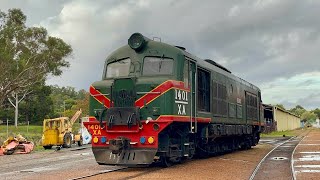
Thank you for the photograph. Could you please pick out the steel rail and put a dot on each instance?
(98, 173)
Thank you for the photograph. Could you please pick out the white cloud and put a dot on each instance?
(273, 44)
(294, 90)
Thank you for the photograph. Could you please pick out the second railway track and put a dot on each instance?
(277, 164)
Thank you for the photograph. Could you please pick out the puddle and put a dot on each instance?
(82, 154)
(310, 158)
(78, 149)
(279, 158)
(287, 146)
(40, 169)
(308, 166)
(315, 152)
(308, 171)
(309, 144)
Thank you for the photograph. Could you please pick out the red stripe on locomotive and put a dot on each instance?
(158, 91)
(99, 97)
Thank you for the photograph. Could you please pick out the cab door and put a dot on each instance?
(190, 78)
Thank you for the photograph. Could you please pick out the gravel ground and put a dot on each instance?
(236, 165)
(66, 164)
(63, 164)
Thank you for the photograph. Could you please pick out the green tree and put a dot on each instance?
(82, 104)
(281, 106)
(298, 110)
(317, 112)
(38, 105)
(67, 101)
(6, 112)
(27, 54)
(309, 116)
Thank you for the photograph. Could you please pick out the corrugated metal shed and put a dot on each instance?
(286, 120)
(283, 119)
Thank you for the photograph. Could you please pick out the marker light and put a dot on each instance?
(103, 139)
(142, 140)
(150, 140)
(156, 127)
(95, 140)
(136, 41)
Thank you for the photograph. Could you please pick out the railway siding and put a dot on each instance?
(277, 163)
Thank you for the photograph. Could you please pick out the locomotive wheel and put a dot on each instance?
(165, 161)
(202, 153)
(246, 145)
(67, 139)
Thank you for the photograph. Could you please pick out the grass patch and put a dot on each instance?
(283, 133)
(31, 133)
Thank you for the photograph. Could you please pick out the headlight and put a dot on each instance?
(136, 41)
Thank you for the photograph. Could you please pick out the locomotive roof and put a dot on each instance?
(164, 47)
(218, 68)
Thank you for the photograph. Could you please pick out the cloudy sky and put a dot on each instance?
(275, 44)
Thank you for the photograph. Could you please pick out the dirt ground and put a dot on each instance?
(236, 165)
(68, 164)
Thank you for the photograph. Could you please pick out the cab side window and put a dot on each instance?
(252, 106)
(203, 90)
(220, 104)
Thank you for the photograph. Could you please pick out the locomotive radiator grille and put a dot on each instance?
(124, 93)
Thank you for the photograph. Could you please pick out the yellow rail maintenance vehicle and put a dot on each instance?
(58, 132)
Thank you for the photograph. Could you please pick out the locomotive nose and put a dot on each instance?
(123, 110)
(124, 92)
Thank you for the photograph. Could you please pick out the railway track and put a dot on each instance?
(138, 172)
(98, 173)
(277, 163)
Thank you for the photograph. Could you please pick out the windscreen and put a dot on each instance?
(118, 68)
(157, 66)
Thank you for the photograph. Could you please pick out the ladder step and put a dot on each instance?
(186, 144)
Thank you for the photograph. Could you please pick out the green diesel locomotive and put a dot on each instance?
(158, 103)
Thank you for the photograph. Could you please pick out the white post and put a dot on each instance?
(7, 128)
